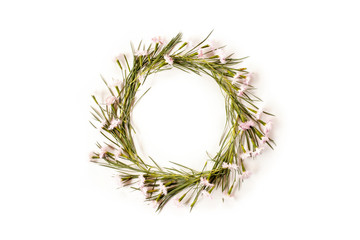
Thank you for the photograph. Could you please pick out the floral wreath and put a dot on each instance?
(245, 135)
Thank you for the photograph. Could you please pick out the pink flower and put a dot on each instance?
(178, 203)
(154, 204)
(258, 113)
(221, 55)
(114, 123)
(245, 155)
(206, 194)
(110, 100)
(248, 78)
(141, 180)
(264, 139)
(245, 175)
(257, 151)
(91, 157)
(141, 53)
(212, 45)
(157, 40)
(102, 125)
(201, 53)
(118, 154)
(236, 78)
(168, 59)
(117, 58)
(268, 127)
(162, 188)
(246, 125)
(103, 151)
(241, 90)
(232, 166)
(144, 190)
(205, 182)
(141, 77)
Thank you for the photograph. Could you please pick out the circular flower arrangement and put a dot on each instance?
(245, 136)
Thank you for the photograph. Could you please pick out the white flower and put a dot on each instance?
(110, 100)
(141, 180)
(205, 182)
(257, 151)
(201, 53)
(268, 127)
(264, 139)
(103, 151)
(245, 155)
(141, 53)
(157, 40)
(258, 113)
(245, 175)
(206, 194)
(168, 59)
(118, 154)
(162, 188)
(232, 166)
(114, 123)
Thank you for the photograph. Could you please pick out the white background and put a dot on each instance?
(305, 56)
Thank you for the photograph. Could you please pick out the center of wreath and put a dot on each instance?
(180, 119)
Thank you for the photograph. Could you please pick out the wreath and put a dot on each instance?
(245, 133)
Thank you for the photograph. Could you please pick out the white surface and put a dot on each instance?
(305, 56)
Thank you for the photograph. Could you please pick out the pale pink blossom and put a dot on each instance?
(245, 175)
(177, 202)
(118, 154)
(115, 82)
(102, 125)
(103, 151)
(205, 182)
(245, 155)
(157, 40)
(248, 78)
(206, 194)
(246, 125)
(201, 53)
(110, 100)
(257, 151)
(91, 157)
(117, 58)
(268, 127)
(236, 78)
(141, 180)
(141, 53)
(114, 123)
(221, 55)
(168, 59)
(212, 45)
(226, 195)
(162, 188)
(258, 113)
(154, 204)
(241, 91)
(144, 189)
(232, 166)
(141, 77)
(264, 139)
